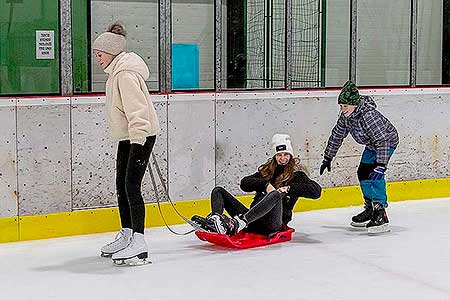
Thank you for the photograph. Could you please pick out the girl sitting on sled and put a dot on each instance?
(278, 184)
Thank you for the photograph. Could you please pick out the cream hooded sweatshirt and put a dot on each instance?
(130, 111)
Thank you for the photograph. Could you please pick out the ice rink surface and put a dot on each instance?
(325, 260)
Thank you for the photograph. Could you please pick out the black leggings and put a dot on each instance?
(265, 217)
(132, 160)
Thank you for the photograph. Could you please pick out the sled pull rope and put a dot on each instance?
(166, 193)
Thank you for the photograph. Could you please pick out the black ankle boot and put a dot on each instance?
(379, 222)
(363, 217)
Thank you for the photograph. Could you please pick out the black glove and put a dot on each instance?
(326, 164)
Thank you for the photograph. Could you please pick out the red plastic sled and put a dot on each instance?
(245, 240)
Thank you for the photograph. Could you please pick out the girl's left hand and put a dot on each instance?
(283, 189)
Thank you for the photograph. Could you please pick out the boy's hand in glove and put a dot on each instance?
(377, 173)
(326, 164)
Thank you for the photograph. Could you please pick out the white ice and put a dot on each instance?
(325, 260)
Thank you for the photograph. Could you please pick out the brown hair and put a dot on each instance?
(117, 28)
(268, 169)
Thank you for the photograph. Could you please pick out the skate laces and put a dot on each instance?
(220, 223)
(121, 235)
(228, 226)
(132, 242)
(241, 222)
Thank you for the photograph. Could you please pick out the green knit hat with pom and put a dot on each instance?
(349, 94)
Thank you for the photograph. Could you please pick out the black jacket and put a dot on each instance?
(300, 186)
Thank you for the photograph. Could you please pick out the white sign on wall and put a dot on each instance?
(45, 44)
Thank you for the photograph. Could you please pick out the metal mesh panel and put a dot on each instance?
(266, 43)
(305, 43)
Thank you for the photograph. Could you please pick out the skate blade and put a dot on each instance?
(103, 254)
(197, 226)
(377, 230)
(359, 225)
(131, 262)
(139, 260)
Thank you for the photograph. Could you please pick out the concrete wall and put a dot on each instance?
(56, 156)
(8, 159)
(43, 155)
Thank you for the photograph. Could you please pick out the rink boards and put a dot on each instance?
(57, 162)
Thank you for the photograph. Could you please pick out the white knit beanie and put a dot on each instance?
(282, 143)
(109, 42)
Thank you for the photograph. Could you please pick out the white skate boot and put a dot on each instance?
(136, 253)
(122, 240)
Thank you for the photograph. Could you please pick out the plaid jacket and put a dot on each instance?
(368, 127)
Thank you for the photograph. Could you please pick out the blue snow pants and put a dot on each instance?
(373, 190)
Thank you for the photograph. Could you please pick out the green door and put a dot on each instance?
(29, 47)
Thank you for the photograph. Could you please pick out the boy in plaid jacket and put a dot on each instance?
(368, 127)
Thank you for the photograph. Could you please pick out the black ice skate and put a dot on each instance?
(379, 222)
(226, 225)
(205, 224)
(361, 219)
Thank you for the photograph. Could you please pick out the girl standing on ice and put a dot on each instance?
(368, 127)
(133, 122)
(278, 184)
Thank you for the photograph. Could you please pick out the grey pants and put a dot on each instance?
(264, 217)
